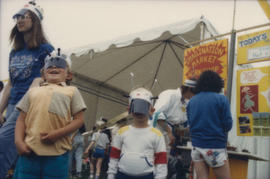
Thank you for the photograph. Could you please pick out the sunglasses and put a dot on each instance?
(22, 17)
(55, 62)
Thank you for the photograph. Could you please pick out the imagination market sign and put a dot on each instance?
(210, 56)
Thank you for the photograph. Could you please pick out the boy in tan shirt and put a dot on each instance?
(44, 124)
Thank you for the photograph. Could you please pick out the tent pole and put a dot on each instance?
(231, 65)
(228, 33)
(178, 58)
(138, 59)
(99, 83)
(159, 63)
(256, 153)
(202, 26)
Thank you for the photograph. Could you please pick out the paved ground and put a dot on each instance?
(85, 173)
(86, 176)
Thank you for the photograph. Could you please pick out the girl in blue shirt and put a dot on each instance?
(29, 48)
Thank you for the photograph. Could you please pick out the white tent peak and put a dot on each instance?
(177, 28)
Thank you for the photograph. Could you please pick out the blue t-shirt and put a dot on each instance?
(209, 119)
(24, 67)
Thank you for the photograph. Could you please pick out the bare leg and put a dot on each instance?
(92, 167)
(201, 169)
(223, 172)
(98, 165)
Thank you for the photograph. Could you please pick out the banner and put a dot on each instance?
(265, 5)
(253, 102)
(209, 56)
(253, 47)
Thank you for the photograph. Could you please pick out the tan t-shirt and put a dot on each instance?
(49, 107)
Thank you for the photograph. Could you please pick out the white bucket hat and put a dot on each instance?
(33, 7)
(190, 83)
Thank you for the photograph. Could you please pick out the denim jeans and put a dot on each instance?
(8, 152)
(77, 152)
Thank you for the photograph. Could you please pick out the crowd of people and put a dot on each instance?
(142, 148)
(43, 125)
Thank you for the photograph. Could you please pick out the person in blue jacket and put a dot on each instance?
(29, 49)
(210, 120)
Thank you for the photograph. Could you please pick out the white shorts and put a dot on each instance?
(213, 157)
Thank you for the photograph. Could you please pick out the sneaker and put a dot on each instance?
(91, 176)
(78, 175)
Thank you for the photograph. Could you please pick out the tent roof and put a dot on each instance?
(153, 59)
(177, 28)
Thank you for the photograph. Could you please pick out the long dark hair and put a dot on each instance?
(209, 81)
(37, 36)
(108, 133)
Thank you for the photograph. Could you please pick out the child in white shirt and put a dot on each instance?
(138, 151)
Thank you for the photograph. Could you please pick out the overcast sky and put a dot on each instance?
(74, 23)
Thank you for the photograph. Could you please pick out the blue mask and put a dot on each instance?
(139, 106)
(58, 62)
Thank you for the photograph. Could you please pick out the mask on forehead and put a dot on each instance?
(139, 106)
(140, 101)
(58, 62)
(57, 59)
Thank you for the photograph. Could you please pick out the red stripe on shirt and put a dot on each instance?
(115, 153)
(161, 158)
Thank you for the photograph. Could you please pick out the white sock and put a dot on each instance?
(91, 176)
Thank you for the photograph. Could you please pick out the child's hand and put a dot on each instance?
(172, 139)
(23, 148)
(49, 138)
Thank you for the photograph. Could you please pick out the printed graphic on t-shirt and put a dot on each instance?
(21, 66)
